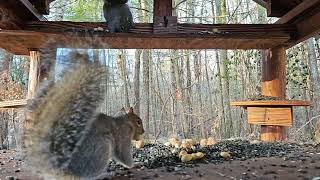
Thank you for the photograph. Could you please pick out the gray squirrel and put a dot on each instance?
(118, 15)
(67, 138)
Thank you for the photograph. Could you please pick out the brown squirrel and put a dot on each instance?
(68, 138)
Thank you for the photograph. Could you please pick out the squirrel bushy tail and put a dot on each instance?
(61, 116)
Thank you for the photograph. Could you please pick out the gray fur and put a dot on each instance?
(118, 16)
(68, 138)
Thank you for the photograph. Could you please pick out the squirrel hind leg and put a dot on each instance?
(112, 27)
(123, 152)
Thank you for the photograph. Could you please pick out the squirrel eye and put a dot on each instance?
(139, 123)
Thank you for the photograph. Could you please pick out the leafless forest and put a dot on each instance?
(178, 92)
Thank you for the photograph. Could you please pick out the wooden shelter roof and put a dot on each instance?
(25, 28)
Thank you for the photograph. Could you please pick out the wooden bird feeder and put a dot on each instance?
(273, 116)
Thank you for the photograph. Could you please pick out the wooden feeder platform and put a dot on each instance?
(271, 103)
(272, 115)
(13, 104)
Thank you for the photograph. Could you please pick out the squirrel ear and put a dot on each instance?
(123, 109)
(131, 110)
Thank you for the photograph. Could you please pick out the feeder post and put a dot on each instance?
(34, 73)
(38, 71)
(274, 84)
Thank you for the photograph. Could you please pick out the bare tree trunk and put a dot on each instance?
(103, 107)
(137, 82)
(153, 104)
(123, 71)
(222, 115)
(221, 12)
(314, 77)
(197, 72)
(189, 95)
(107, 81)
(179, 93)
(209, 93)
(174, 101)
(146, 84)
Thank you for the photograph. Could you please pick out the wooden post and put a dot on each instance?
(34, 73)
(163, 21)
(37, 72)
(273, 133)
(162, 8)
(274, 84)
(33, 82)
(274, 72)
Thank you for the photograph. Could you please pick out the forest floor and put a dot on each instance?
(248, 161)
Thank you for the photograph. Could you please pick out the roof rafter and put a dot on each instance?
(305, 17)
(261, 3)
(14, 18)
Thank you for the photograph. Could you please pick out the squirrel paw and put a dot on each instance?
(106, 175)
(137, 164)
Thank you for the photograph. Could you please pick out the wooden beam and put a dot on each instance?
(33, 10)
(274, 72)
(261, 3)
(278, 8)
(13, 14)
(8, 19)
(33, 74)
(299, 10)
(38, 35)
(275, 9)
(308, 25)
(42, 5)
(13, 103)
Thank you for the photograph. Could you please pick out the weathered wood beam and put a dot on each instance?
(278, 8)
(13, 103)
(275, 9)
(39, 35)
(33, 10)
(8, 19)
(261, 3)
(42, 5)
(296, 12)
(146, 28)
(13, 14)
(307, 23)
